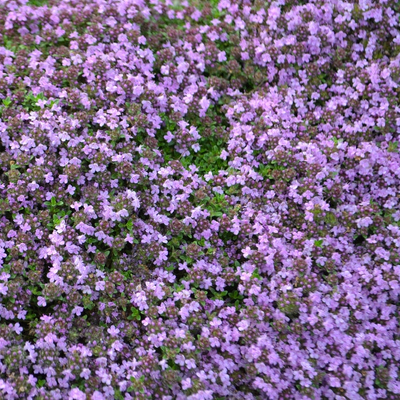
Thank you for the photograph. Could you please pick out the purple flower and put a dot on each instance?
(76, 394)
(113, 331)
(41, 301)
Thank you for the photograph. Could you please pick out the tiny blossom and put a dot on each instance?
(41, 301)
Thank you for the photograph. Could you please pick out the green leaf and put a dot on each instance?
(135, 314)
(30, 316)
(40, 383)
(218, 295)
(135, 311)
(52, 102)
(393, 147)
(36, 291)
(7, 101)
(256, 274)
(330, 218)
(379, 384)
(235, 295)
(118, 395)
(89, 305)
(318, 243)
(178, 288)
(141, 379)
(37, 3)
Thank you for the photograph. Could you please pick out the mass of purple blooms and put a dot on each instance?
(199, 199)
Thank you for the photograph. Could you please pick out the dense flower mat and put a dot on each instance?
(199, 201)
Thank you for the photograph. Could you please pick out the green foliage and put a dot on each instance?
(37, 3)
(31, 100)
(235, 295)
(218, 295)
(137, 384)
(217, 206)
(40, 383)
(7, 101)
(266, 170)
(87, 303)
(57, 210)
(256, 274)
(330, 219)
(118, 395)
(135, 314)
(10, 45)
(393, 147)
(206, 159)
(129, 225)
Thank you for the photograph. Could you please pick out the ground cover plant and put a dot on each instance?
(199, 200)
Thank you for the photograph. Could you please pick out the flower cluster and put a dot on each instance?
(199, 200)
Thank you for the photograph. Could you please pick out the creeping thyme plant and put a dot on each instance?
(199, 200)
